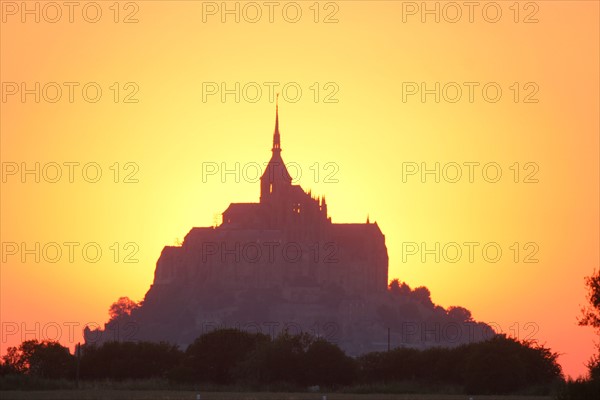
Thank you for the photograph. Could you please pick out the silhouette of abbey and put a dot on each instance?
(287, 238)
(282, 265)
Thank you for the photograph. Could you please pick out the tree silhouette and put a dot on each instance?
(46, 359)
(591, 313)
(214, 356)
(282, 360)
(423, 295)
(591, 317)
(121, 307)
(460, 314)
(327, 365)
(12, 362)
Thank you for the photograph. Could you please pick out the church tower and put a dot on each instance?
(275, 181)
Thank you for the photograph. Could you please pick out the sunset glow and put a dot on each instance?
(184, 122)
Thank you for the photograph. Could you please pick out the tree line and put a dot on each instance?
(254, 360)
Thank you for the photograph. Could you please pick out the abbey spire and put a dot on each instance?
(276, 136)
(276, 179)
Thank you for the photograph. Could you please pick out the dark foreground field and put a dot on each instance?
(189, 395)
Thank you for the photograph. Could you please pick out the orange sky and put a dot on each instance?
(360, 120)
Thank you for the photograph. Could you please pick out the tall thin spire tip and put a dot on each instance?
(276, 137)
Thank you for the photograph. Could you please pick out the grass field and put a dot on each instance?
(189, 395)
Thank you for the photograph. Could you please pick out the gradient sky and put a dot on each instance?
(364, 130)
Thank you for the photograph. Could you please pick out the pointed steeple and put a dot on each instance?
(275, 179)
(276, 136)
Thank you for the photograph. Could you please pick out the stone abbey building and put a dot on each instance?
(282, 265)
(286, 239)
